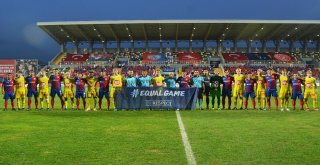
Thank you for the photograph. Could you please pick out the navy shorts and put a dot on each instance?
(271, 92)
(32, 92)
(104, 93)
(297, 94)
(55, 92)
(247, 94)
(80, 94)
(226, 93)
(8, 96)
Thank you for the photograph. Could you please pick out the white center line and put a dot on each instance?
(186, 143)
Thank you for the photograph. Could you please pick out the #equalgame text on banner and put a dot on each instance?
(156, 98)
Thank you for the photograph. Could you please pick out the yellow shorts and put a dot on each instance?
(91, 93)
(68, 93)
(310, 93)
(43, 93)
(20, 94)
(261, 93)
(113, 91)
(237, 92)
(284, 93)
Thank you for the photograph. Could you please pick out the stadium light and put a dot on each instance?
(262, 28)
(318, 35)
(296, 28)
(94, 29)
(288, 35)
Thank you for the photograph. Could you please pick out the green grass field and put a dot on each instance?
(153, 137)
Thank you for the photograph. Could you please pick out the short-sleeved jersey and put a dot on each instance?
(20, 83)
(197, 81)
(93, 81)
(171, 82)
(238, 81)
(216, 81)
(183, 81)
(8, 86)
(144, 81)
(32, 83)
(249, 85)
(43, 83)
(284, 82)
(67, 83)
(296, 85)
(261, 83)
(206, 81)
(55, 81)
(271, 81)
(80, 84)
(310, 83)
(131, 81)
(227, 83)
(104, 82)
(158, 81)
(116, 81)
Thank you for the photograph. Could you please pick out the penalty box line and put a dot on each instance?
(187, 147)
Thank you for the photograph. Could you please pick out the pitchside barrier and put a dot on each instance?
(156, 98)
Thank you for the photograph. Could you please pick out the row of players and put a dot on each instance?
(238, 86)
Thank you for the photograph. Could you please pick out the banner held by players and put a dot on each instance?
(156, 98)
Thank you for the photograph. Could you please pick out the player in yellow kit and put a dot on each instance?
(284, 92)
(20, 92)
(68, 90)
(157, 80)
(43, 83)
(238, 88)
(310, 90)
(261, 90)
(115, 84)
(92, 91)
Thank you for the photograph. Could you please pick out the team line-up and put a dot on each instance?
(261, 86)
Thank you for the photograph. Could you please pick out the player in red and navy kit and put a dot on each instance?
(296, 91)
(55, 80)
(249, 84)
(104, 89)
(31, 80)
(271, 87)
(80, 82)
(8, 91)
(183, 80)
(227, 89)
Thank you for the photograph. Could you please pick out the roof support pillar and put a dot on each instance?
(205, 45)
(90, 47)
(104, 46)
(264, 46)
(291, 45)
(63, 47)
(277, 43)
(305, 46)
(132, 46)
(147, 45)
(249, 46)
(235, 45)
(176, 45)
(76, 47)
(219, 47)
(161, 46)
(318, 46)
(190, 45)
(118, 45)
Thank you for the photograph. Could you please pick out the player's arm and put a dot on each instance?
(2, 87)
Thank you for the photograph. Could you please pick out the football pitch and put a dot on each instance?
(154, 137)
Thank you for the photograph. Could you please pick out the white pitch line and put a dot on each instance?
(186, 143)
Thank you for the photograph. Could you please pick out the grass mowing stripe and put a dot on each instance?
(186, 144)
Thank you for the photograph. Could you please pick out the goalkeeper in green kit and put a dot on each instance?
(215, 89)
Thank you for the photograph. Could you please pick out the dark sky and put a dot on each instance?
(21, 38)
